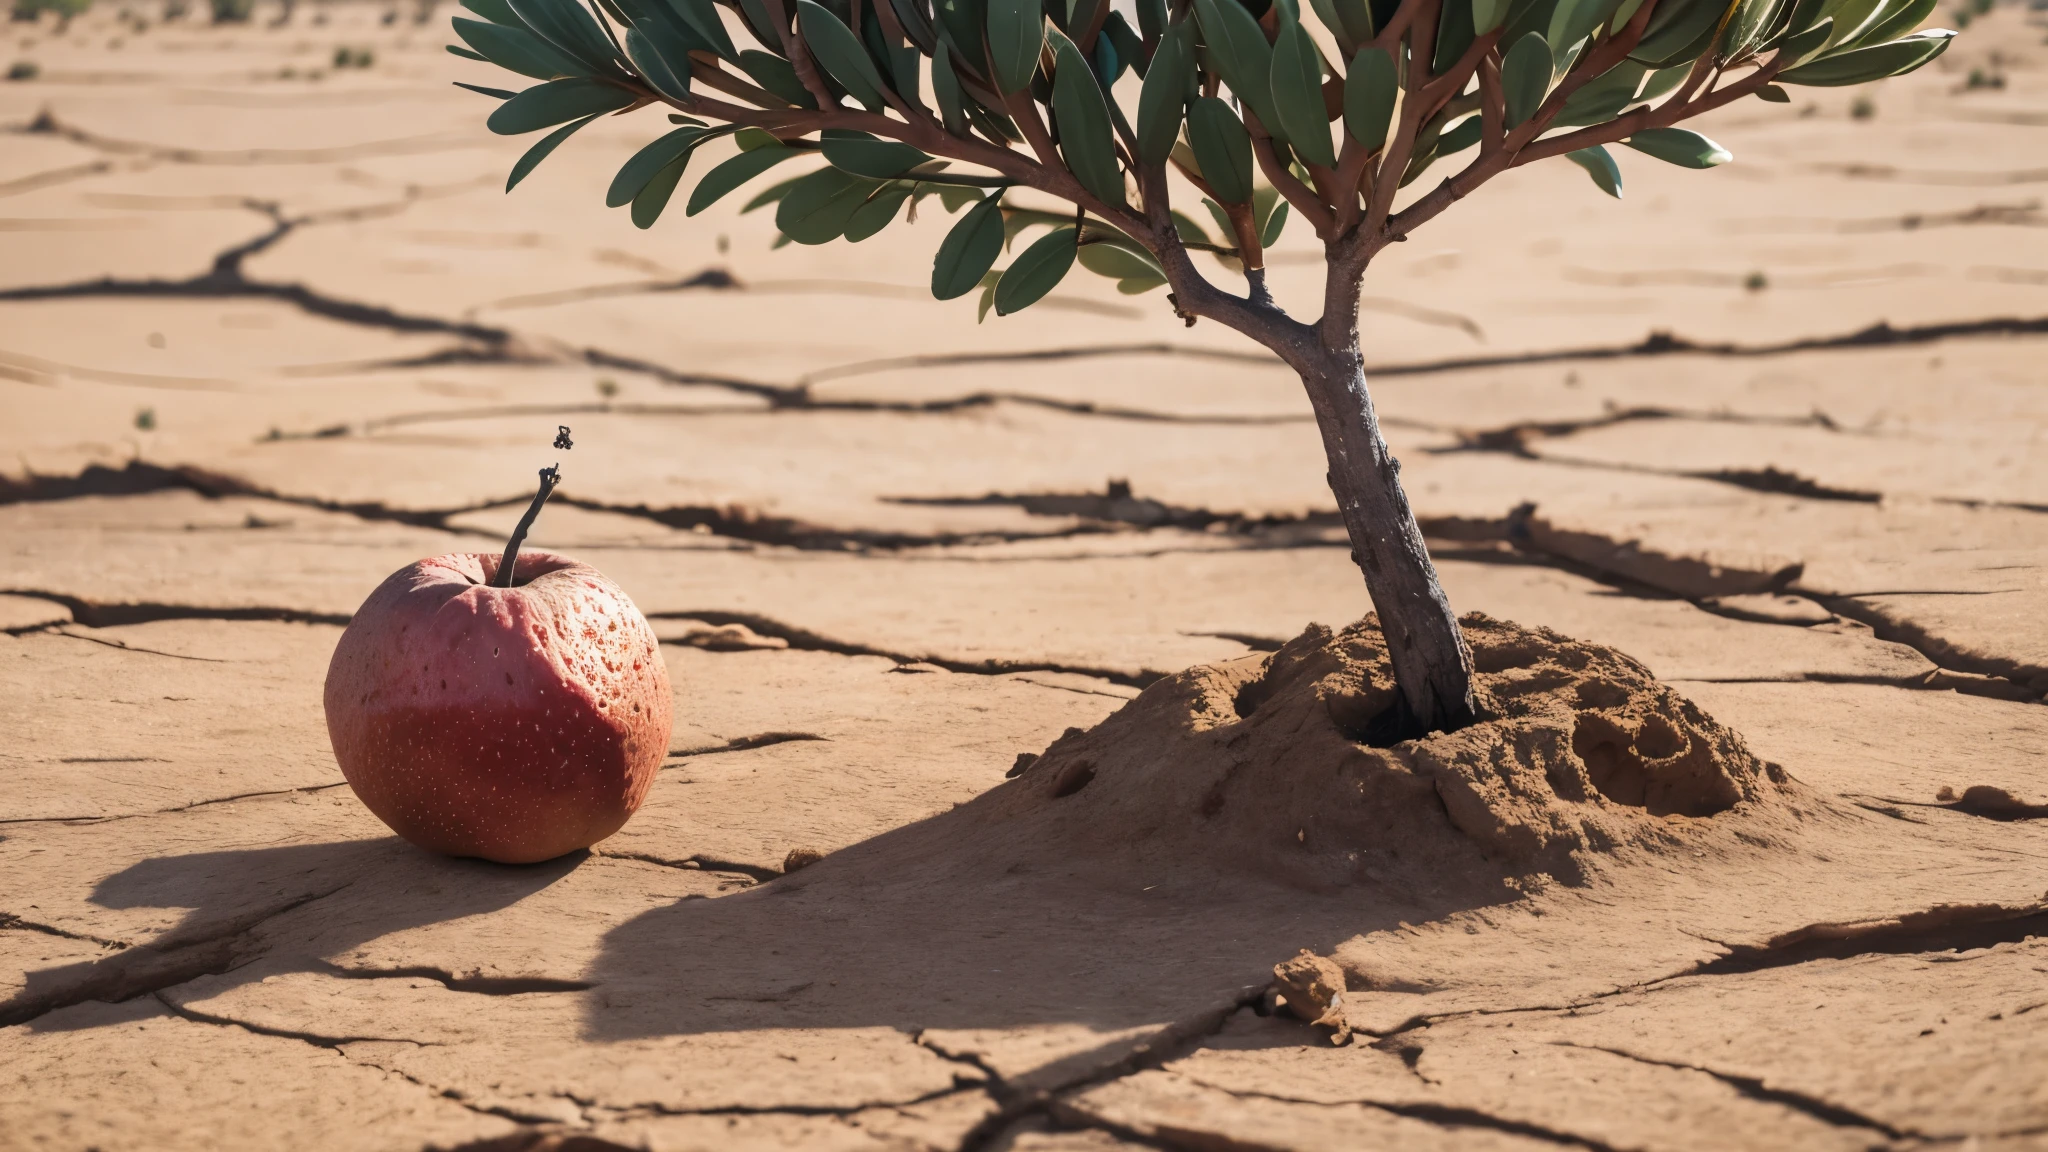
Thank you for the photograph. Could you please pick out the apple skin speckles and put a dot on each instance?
(499, 722)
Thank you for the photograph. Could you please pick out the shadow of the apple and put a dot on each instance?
(229, 893)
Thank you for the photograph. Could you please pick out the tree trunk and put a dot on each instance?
(1432, 665)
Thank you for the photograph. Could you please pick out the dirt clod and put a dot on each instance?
(1312, 988)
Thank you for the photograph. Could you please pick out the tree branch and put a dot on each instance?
(1394, 158)
(1492, 108)
(1303, 198)
(1646, 117)
(799, 56)
(1292, 340)
(704, 68)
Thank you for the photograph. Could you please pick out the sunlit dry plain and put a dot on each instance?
(270, 329)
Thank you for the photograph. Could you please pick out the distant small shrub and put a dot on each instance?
(346, 57)
(232, 11)
(23, 70)
(145, 419)
(29, 11)
(1756, 282)
(1863, 108)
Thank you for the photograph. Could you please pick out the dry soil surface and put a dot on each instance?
(1761, 441)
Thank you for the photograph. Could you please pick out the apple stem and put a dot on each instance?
(549, 477)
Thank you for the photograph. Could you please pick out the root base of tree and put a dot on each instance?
(1268, 764)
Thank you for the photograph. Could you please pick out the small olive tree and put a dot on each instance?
(1242, 104)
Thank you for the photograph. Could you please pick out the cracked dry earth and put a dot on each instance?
(1794, 893)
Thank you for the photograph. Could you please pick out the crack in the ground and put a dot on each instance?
(1016, 1102)
(803, 639)
(1938, 929)
(719, 279)
(1770, 478)
(1754, 1088)
(58, 629)
(1943, 928)
(485, 344)
(731, 522)
(140, 477)
(2024, 214)
(942, 406)
(11, 922)
(54, 176)
(143, 969)
(1115, 509)
(742, 744)
(1879, 335)
(226, 278)
(212, 800)
(1515, 438)
(751, 873)
(45, 123)
(1117, 505)
(1942, 653)
(1442, 1115)
(474, 982)
(1855, 170)
(317, 1039)
(1936, 680)
(742, 523)
(97, 615)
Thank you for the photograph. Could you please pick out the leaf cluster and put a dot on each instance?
(1258, 106)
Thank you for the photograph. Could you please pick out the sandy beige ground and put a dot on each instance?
(269, 330)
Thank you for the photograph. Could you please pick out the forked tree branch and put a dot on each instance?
(1300, 195)
(1394, 157)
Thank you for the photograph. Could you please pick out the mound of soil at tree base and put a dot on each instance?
(1269, 764)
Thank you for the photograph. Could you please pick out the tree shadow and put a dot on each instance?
(231, 895)
(953, 923)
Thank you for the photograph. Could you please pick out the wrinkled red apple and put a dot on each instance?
(514, 724)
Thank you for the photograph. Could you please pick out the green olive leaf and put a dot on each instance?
(728, 176)
(818, 207)
(516, 49)
(865, 155)
(1680, 146)
(1036, 271)
(640, 169)
(1016, 36)
(1240, 50)
(1082, 114)
(539, 152)
(1297, 83)
(1369, 93)
(1600, 166)
(840, 53)
(969, 250)
(1862, 65)
(1525, 78)
(1164, 95)
(877, 213)
(554, 102)
(1222, 147)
